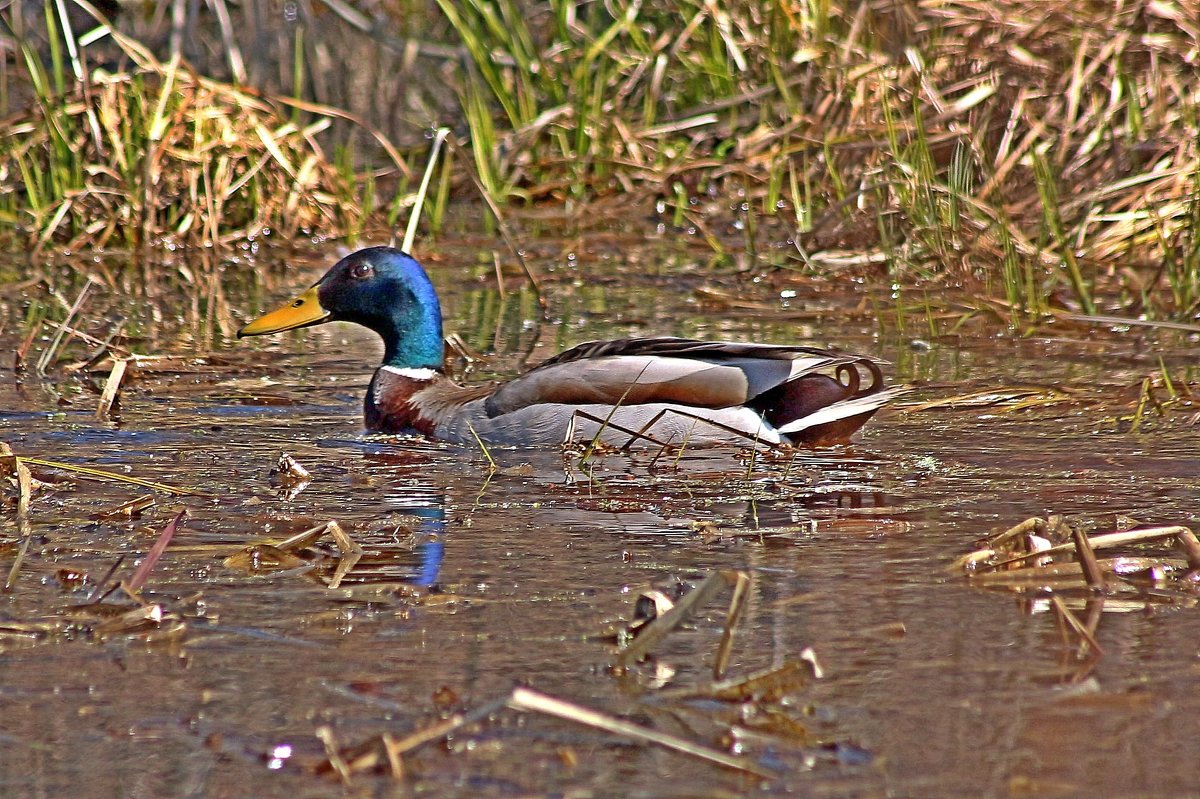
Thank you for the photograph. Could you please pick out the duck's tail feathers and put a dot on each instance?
(835, 416)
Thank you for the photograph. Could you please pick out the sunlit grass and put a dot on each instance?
(156, 154)
(986, 140)
(1046, 152)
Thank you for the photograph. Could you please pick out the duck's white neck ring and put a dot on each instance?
(422, 373)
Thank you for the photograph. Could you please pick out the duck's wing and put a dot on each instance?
(702, 374)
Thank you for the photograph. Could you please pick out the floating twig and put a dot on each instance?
(325, 734)
(1108, 540)
(737, 606)
(280, 556)
(99, 592)
(658, 629)
(1087, 560)
(767, 685)
(100, 474)
(526, 699)
(130, 510)
(13, 465)
(160, 545)
(15, 570)
(1023, 558)
(1067, 575)
(307, 537)
(111, 387)
(351, 554)
(394, 758)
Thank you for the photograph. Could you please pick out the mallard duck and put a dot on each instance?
(628, 392)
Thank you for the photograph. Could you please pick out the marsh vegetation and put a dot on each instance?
(1042, 154)
(214, 579)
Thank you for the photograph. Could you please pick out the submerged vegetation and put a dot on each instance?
(1043, 153)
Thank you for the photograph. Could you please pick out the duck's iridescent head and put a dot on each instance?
(380, 288)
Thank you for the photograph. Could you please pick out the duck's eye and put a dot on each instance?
(362, 270)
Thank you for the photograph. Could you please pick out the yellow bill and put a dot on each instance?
(303, 311)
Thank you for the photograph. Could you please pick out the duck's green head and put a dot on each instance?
(380, 288)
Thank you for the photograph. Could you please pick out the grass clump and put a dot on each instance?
(157, 155)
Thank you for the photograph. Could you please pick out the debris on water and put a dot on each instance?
(160, 545)
(99, 474)
(1008, 398)
(289, 471)
(529, 700)
(100, 591)
(766, 686)
(767, 727)
(132, 509)
(446, 699)
(651, 604)
(763, 695)
(373, 754)
(97, 619)
(145, 621)
(72, 579)
(263, 559)
(297, 553)
(149, 623)
(336, 761)
(111, 388)
(13, 470)
(661, 626)
(289, 476)
(1050, 556)
(737, 606)
(750, 712)
(386, 749)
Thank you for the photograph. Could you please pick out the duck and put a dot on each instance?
(626, 393)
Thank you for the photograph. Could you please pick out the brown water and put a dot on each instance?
(513, 575)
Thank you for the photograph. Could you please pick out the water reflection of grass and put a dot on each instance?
(1033, 151)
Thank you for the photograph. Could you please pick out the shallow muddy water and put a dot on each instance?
(476, 580)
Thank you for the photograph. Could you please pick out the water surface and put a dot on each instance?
(477, 579)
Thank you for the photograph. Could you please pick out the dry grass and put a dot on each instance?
(157, 156)
(1045, 152)
(1040, 147)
